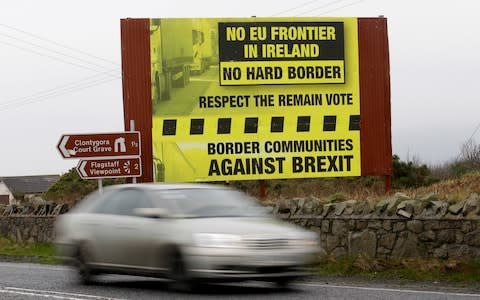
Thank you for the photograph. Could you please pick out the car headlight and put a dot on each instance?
(217, 240)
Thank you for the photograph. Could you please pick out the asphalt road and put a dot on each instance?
(33, 281)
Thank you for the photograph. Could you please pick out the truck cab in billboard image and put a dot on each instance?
(170, 61)
(205, 46)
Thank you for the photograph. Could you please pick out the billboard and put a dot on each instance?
(254, 98)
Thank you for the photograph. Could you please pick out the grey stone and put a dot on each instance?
(312, 206)
(393, 202)
(472, 204)
(350, 207)
(361, 224)
(436, 208)
(398, 226)
(361, 208)
(429, 225)
(375, 224)
(457, 207)
(429, 197)
(427, 236)
(387, 240)
(383, 251)
(381, 206)
(404, 213)
(327, 209)
(326, 226)
(415, 226)
(451, 224)
(340, 251)
(406, 205)
(460, 251)
(446, 236)
(339, 227)
(459, 237)
(340, 207)
(348, 211)
(283, 206)
(351, 225)
(407, 246)
(332, 242)
(441, 252)
(363, 243)
(466, 226)
(387, 225)
(401, 196)
(322, 253)
(473, 238)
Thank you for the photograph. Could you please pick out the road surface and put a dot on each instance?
(34, 281)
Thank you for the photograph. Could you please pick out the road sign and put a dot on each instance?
(109, 168)
(100, 144)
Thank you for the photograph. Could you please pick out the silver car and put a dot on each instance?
(187, 233)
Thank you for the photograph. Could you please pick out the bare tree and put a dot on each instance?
(470, 154)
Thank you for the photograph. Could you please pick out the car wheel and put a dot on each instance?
(84, 270)
(283, 283)
(177, 274)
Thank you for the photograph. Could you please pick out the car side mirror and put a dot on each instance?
(154, 213)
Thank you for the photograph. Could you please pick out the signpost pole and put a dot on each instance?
(100, 185)
(132, 128)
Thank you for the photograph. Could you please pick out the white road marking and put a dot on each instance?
(38, 295)
(389, 290)
(52, 294)
(32, 266)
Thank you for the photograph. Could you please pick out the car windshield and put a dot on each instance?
(207, 203)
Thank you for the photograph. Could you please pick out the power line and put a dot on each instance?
(52, 50)
(58, 88)
(320, 7)
(338, 8)
(58, 44)
(49, 56)
(294, 8)
(43, 98)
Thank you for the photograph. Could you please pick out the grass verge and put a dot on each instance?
(408, 269)
(31, 252)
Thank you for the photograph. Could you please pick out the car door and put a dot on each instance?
(122, 239)
(135, 238)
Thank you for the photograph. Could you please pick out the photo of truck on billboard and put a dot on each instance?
(254, 98)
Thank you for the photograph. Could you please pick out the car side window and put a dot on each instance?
(166, 200)
(124, 202)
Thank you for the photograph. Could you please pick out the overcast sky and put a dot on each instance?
(60, 70)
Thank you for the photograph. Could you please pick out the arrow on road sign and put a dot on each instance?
(62, 148)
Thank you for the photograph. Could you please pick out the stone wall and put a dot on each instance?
(28, 228)
(395, 227)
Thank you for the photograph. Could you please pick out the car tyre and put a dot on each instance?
(283, 283)
(177, 274)
(84, 270)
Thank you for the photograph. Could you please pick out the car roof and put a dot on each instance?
(167, 186)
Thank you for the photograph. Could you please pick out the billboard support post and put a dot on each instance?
(261, 189)
(388, 183)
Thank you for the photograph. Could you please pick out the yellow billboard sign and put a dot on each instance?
(255, 98)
